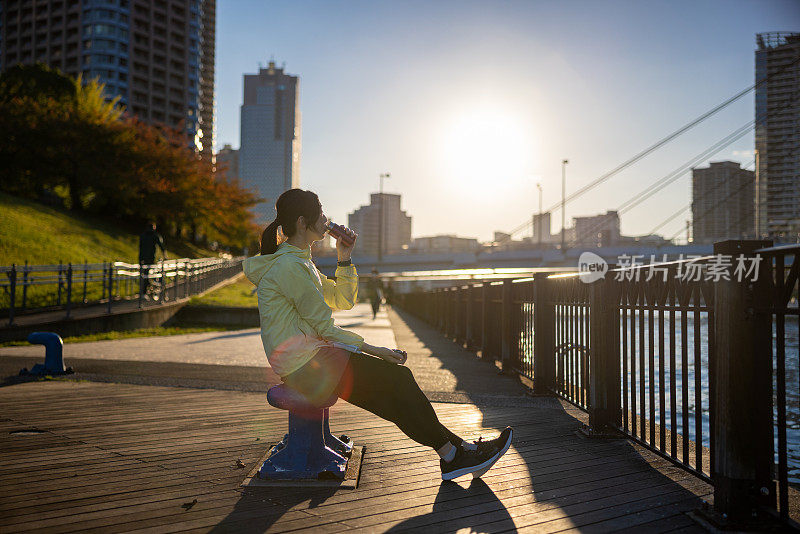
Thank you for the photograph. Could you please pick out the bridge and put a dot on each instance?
(503, 259)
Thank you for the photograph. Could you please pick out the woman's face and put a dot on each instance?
(319, 227)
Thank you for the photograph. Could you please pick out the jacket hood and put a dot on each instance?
(256, 267)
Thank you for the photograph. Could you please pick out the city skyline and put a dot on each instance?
(444, 95)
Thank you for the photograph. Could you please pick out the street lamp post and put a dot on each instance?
(539, 229)
(380, 219)
(563, 202)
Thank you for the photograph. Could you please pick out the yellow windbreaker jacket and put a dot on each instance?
(295, 302)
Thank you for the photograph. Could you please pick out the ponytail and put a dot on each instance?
(269, 239)
(291, 204)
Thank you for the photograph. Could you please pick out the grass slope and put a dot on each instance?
(239, 293)
(44, 235)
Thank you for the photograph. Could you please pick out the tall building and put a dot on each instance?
(723, 197)
(157, 57)
(269, 152)
(228, 158)
(597, 230)
(778, 135)
(396, 228)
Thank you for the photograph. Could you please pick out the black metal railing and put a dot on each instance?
(643, 349)
(782, 305)
(41, 288)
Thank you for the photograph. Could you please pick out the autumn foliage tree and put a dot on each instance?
(61, 136)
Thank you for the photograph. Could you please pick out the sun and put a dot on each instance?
(486, 146)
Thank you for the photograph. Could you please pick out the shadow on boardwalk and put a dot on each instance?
(552, 479)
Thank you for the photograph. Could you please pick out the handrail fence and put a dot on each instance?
(40, 288)
(678, 356)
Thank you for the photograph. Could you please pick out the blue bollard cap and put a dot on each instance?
(39, 338)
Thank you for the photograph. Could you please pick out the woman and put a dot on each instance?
(308, 352)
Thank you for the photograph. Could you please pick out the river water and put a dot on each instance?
(792, 380)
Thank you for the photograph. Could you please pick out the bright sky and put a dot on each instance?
(469, 104)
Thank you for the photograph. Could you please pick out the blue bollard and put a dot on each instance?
(53, 356)
(309, 450)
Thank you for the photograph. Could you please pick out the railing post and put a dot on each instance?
(85, 278)
(175, 282)
(457, 315)
(461, 307)
(742, 393)
(25, 286)
(604, 358)
(468, 331)
(103, 283)
(141, 286)
(484, 319)
(163, 283)
(110, 286)
(60, 271)
(448, 327)
(446, 311)
(69, 289)
(12, 279)
(506, 334)
(441, 305)
(544, 332)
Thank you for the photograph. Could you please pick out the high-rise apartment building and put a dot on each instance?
(269, 152)
(723, 201)
(365, 221)
(157, 57)
(778, 135)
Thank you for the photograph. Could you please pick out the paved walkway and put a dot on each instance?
(241, 348)
(82, 456)
(236, 348)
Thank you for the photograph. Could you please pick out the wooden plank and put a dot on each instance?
(136, 464)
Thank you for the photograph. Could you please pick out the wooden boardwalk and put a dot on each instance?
(109, 457)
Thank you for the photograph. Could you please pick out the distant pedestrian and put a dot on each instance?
(148, 241)
(375, 292)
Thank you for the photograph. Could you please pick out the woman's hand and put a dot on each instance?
(343, 251)
(390, 355)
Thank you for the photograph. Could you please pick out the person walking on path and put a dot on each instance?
(148, 241)
(318, 359)
(375, 292)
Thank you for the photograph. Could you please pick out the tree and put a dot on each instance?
(65, 134)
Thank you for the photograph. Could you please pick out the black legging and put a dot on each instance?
(389, 391)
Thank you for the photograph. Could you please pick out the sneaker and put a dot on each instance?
(466, 462)
(500, 445)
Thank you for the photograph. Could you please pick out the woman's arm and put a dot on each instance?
(342, 293)
(297, 286)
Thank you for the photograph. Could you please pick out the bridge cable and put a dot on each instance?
(719, 145)
(657, 145)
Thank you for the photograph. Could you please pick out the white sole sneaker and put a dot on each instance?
(471, 469)
(479, 473)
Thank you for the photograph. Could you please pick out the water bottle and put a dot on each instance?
(338, 233)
